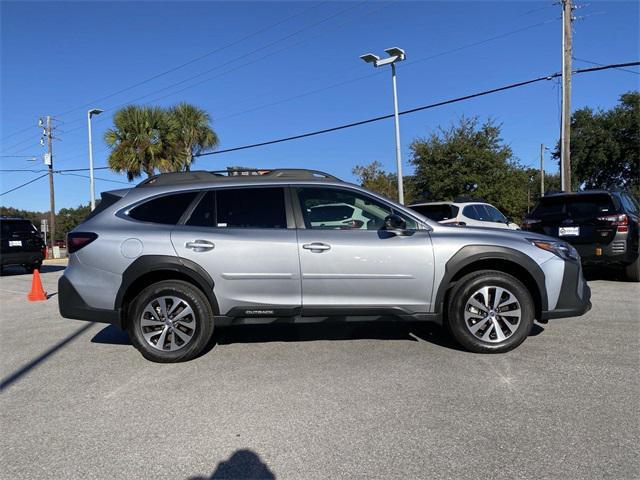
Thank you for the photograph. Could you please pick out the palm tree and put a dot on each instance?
(138, 140)
(189, 134)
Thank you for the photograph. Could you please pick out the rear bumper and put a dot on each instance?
(619, 251)
(71, 305)
(21, 258)
(575, 295)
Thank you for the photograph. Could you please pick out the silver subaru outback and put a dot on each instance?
(183, 252)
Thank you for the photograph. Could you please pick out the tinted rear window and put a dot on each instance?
(578, 206)
(166, 210)
(437, 212)
(17, 227)
(241, 208)
(251, 208)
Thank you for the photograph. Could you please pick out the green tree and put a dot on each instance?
(137, 140)
(605, 146)
(190, 133)
(69, 218)
(470, 158)
(373, 177)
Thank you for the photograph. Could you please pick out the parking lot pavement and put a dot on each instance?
(319, 401)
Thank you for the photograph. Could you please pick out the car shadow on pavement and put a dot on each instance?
(309, 332)
(12, 271)
(242, 465)
(591, 274)
(111, 335)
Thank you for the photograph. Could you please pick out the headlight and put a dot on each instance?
(561, 249)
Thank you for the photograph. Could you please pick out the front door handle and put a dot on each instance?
(316, 247)
(200, 245)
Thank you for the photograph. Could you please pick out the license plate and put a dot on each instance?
(15, 243)
(569, 231)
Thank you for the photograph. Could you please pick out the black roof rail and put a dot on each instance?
(235, 173)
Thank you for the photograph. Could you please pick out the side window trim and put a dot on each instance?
(187, 213)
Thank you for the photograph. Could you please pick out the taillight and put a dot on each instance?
(527, 222)
(78, 240)
(620, 221)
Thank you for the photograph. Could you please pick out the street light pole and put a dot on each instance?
(395, 55)
(90, 113)
(397, 122)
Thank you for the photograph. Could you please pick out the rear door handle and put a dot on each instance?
(200, 245)
(316, 247)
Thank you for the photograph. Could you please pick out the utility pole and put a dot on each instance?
(48, 160)
(565, 134)
(542, 169)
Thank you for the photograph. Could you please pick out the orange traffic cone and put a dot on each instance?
(37, 293)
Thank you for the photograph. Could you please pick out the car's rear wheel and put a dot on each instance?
(30, 267)
(170, 321)
(490, 312)
(632, 272)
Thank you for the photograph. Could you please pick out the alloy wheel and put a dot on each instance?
(168, 323)
(492, 314)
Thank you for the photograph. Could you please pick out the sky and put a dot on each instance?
(266, 70)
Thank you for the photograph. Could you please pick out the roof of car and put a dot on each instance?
(447, 203)
(235, 175)
(582, 192)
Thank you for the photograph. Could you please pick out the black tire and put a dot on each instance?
(463, 291)
(33, 266)
(632, 272)
(202, 316)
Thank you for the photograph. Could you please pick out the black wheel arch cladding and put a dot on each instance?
(477, 254)
(156, 264)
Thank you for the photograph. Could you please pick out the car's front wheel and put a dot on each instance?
(490, 312)
(170, 321)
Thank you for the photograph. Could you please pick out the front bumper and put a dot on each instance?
(575, 295)
(71, 305)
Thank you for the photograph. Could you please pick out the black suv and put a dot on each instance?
(20, 244)
(601, 225)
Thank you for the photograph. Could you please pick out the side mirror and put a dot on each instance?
(509, 220)
(395, 223)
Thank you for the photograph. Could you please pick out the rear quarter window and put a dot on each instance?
(166, 210)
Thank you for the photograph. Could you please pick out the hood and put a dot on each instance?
(494, 233)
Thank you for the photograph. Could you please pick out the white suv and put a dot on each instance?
(472, 214)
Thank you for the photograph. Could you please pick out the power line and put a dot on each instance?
(96, 178)
(196, 59)
(413, 110)
(229, 62)
(413, 62)
(24, 184)
(601, 65)
(385, 117)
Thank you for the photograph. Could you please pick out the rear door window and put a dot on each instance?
(166, 210)
(241, 208)
(251, 208)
